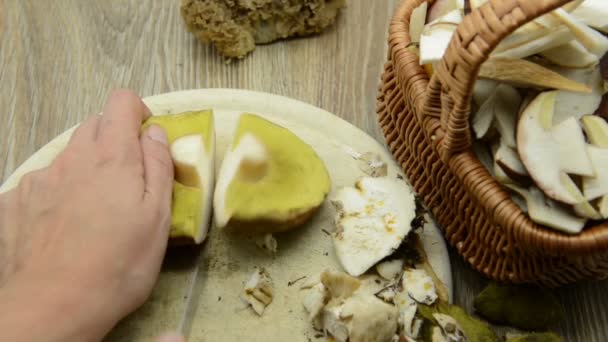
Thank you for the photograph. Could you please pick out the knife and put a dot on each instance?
(191, 296)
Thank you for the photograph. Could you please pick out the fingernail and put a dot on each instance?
(171, 337)
(157, 134)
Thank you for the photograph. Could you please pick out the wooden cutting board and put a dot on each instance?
(226, 262)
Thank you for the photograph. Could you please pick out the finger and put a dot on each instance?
(86, 132)
(121, 120)
(158, 167)
(171, 337)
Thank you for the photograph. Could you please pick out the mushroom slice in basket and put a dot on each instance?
(548, 212)
(417, 21)
(533, 42)
(442, 7)
(597, 186)
(572, 104)
(509, 162)
(596, 129)
(523, 73)
(593, 13)
(436, 37)
(500, 108)
(483, 118)
(505, 113)
(551, 152)
(571, 55)
(592, 40)
(483, 90)
(586, 210)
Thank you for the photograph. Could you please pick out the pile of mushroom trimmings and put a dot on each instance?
(387, 274)
(540, 105)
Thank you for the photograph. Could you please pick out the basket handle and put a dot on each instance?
(450, 88)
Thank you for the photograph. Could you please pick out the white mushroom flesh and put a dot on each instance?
(419, 285)
(372, 221)
(390, 269)
(258, 292)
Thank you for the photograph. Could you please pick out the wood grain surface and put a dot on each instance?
(59, 59)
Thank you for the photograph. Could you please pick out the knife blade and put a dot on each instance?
(191, 296)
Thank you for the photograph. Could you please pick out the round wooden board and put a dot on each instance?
(227, 262)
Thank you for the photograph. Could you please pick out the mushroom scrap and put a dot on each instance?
(539, 108)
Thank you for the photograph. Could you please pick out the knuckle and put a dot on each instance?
(162, 159)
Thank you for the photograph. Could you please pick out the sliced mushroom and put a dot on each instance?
(505, 113)
(603, 206)
(571, 141)
(372, 220)
(586, 210)
(597, 186)
(510, 163)
(267, 243)
(483, 154)
(534, 42)
(572, 104)
(442, 7)
(436, 37)
(417, 21)
(592, 40)
(593, 13)
(483, 90)
(548, 212)
(551, 152)
(596, 129)
(501, 108)
(419, 285)
(523, 73)
(314, 301)
(482, 120)
(390, 269)
(450, 328)
(571, 55)
(340, 285)
(409, 325)
(258, 292)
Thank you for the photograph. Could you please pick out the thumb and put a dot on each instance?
(171, 337)
(158, 167)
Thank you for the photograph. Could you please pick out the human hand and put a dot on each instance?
(86, 236)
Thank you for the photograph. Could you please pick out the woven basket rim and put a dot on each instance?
(547, 240)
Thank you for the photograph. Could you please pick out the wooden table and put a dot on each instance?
(59, 59)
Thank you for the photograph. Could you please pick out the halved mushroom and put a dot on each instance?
(592, 40)
(551, 152)
(571, 55)
(523, 73)
(548, 212)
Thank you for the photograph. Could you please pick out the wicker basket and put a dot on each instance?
(426, 125)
